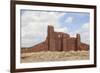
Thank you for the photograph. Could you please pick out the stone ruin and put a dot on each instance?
(58, 41)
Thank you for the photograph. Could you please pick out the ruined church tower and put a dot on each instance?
(51, 38)
(59, 41)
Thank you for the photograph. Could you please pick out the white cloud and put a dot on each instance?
(64, 29)
(85, 26)
(34, 23)
(69, 19)
(84, 31)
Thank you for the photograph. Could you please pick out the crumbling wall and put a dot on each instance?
(51, 38)
(84, 46)
(71, 44)
(39, 47)
(78, 42)
(58, 41)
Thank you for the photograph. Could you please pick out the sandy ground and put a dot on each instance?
(53, 56)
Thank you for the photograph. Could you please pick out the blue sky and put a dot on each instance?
(77, 20)
(34, 24)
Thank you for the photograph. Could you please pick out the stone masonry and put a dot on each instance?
(58, 41)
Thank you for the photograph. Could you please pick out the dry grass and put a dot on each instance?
(54, 56)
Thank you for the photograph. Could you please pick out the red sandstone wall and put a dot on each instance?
(39, 47)
(84, 46)
(78, 42)
(51, 38)
(58, 41)
(72, 44)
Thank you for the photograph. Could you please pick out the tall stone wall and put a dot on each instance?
(65, 42)
(78, 42)
(51, 38)
(59, 41)
(72, 43)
